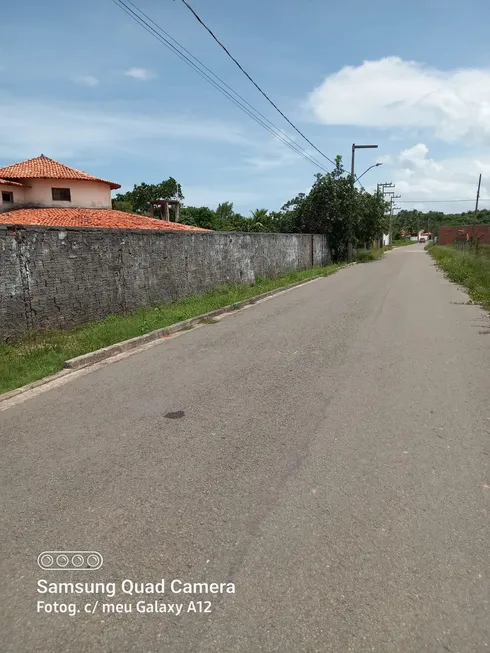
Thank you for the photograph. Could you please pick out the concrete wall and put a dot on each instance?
(84, 194)
(448, 235)
(53, 277)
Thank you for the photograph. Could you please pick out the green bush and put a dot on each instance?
(365, 255)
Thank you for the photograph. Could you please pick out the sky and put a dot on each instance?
(84, 84)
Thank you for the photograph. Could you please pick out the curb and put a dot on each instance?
(127, 345)
(85, 360)
(32, 386)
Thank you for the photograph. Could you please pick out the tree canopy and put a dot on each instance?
(138, 200)
(331, 207)
(412, 221)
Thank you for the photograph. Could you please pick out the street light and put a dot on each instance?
(354, 148)
(370, 167)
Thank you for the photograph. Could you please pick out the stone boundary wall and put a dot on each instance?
(59, 277)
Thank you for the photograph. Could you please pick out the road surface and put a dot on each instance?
(326, 455)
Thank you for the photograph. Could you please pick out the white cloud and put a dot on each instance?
(418, 177)
(87, 80)
(392, 93)
(140, 73)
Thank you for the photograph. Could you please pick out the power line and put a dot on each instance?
(220, 80)
(280, 135)
(439, 201)
(199, 19)
(252, 112)
(255, 83)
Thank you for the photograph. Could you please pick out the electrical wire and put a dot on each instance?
(438, 201)
(199, 19)
(240, 102)
(253, 81)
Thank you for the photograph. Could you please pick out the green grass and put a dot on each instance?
(365, 255)
(40, 354)
(402, 242)
(467, 269)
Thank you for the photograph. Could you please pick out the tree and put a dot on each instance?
(224, 212)
(326, 209)
(140, 197)
(372, 220)
(199, 217)
(261, 221)
(259, 214)
(122, 205)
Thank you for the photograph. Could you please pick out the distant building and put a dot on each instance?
(427, 235)
(480, 232)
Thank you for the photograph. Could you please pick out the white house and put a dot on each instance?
(45, 183)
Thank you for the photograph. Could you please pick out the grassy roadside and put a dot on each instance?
(40, 354)
(467, 269)
(403, 242)
(366, 255)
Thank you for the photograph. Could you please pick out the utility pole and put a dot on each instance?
(353, 179)
(478, 194)
(391, 194)
(476, 207)
(382, 187)
(390, 237)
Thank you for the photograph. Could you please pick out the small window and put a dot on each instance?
(7, 197)
(61, 194)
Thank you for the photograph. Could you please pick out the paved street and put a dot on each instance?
(327, 452)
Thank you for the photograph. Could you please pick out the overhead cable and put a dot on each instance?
(157, 32)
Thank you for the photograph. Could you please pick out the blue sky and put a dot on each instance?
(84, 84)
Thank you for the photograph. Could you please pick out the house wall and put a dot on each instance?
(84, 194)
(448, 235)
(53, 277)
(19, 196)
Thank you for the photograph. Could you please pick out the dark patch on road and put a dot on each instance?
(177, 415)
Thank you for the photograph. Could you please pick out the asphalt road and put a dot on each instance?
(327, 452)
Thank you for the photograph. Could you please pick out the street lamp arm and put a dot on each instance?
(352, 181)
(370, 168)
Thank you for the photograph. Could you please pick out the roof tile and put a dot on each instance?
(13, 183)
(44, 168)
(98, 218)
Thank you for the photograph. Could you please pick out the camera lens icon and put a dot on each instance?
(70, 560)
(94, 560)
(46, 560)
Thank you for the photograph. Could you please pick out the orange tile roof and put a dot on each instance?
(101, 218)
(13, 183)
(44, 168)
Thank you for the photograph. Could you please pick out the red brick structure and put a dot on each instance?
(448, 235)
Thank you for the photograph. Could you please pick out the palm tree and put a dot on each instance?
(259, 214)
